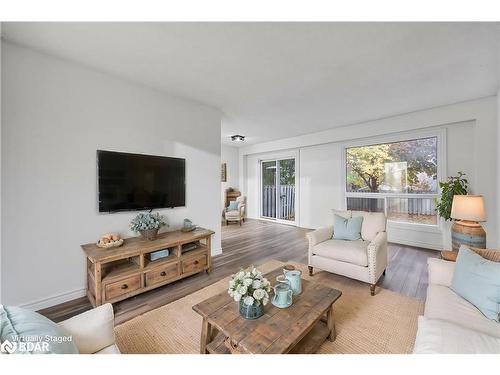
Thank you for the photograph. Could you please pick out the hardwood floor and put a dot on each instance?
(256, 242)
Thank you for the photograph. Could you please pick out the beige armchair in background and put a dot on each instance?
(364, 259)
(237, 215)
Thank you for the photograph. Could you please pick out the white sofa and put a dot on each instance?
(450, 324)
(364, 259)
(93, 331)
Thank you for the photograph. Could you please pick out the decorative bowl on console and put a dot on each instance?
(108, 241)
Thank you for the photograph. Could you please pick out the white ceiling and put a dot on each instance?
(277, 80)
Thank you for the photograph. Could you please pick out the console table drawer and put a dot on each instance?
(122, 287)
(162, 274)
(194, 264)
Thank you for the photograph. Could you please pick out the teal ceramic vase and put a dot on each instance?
(251, 312)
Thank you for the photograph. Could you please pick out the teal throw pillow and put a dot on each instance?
(233, 205)
(347, 229)
(477, 280)
(26, 332)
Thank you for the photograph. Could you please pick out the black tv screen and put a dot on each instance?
(139, 182)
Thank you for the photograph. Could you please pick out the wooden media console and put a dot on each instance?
(122, 272)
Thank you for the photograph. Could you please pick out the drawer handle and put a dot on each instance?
(163, 273)
(124, 286)
(196, 262)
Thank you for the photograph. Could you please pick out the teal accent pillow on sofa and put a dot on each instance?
(347, 229)
(478, 281)
(233, 205)
(28, 332)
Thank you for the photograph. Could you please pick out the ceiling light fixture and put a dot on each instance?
(238, 138)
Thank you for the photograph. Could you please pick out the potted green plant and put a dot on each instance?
(148, 224)
(454, 185)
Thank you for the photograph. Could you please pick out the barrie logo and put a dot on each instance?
(8, 347)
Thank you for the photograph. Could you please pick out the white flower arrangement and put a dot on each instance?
(250, 287)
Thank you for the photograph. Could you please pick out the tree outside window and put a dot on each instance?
(400, 167)
(392, 175)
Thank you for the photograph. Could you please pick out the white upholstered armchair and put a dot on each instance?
(93, 330)
(364, 259)
(238, 214)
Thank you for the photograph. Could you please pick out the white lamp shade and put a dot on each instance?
(468, 207)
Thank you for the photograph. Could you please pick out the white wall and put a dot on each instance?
(56, 115)
(470, 137)
(498, 143)
(320, 184)
(0, 164)
(230, 156)
(498, 156)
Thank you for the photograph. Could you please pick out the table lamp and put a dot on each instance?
(468, 211)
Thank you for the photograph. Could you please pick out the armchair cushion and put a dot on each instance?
(347, 229)
(373, 222)
(233, 205)
(233, 214)
(92, 330)
(353, 252)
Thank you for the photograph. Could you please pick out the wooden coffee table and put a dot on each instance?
(300, 328)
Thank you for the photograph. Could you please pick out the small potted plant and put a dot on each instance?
(148, 225)
(251, 290)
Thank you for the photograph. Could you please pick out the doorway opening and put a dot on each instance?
(278, 198)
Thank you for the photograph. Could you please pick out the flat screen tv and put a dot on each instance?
(129, 182)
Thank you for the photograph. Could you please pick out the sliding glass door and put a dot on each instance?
(286, 194)
(278, 190)
(269, 185)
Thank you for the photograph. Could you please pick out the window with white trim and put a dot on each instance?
(398, 178)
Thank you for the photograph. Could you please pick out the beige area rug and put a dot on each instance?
(385, 323)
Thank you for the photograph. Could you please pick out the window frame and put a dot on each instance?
(440, 135)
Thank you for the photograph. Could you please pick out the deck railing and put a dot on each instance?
(415, 210)
(286, 209)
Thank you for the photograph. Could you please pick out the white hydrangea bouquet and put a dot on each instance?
(250, 287)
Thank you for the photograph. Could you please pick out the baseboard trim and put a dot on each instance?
(425, 245)
(57, 299)
(217, 251)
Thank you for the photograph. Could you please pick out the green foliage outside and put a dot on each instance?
(366, 165)
(287, 172)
